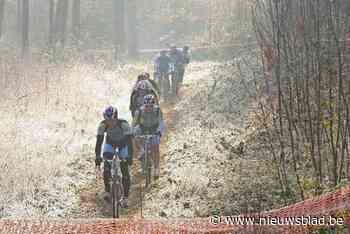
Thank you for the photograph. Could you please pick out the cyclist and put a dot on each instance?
(186, 54)
(148, 120)
(153, 82)
(161, 68)
(146, 76)
(118, 135)
(177, 59)
(142, 88)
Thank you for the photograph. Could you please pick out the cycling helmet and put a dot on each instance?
(143, 85)
(186, 48)
(141, 77)
(149, 100)
(147, 75)
(110, 113)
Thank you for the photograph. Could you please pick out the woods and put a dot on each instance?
(64, 25)
(305, 52)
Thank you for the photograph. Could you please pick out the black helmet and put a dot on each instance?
(146, 75)
(141, 77)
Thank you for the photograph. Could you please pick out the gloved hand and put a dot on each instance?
(98, 161)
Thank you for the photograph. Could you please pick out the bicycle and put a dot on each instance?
(175, 77)
(116, 186)
(163, 83)
(146, 160)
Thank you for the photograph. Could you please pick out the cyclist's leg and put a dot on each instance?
(124, 167)
(181, 75)
(173, 81)
(167, 83)
(106, 175)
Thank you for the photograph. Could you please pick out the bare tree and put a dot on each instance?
(2, 11)
(308, 40)
(76, 19)
(51, 22)
(61, 22)
(132, 28)
(19, 17)
(25, 27)
(119, 27)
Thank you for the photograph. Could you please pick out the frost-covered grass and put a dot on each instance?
(49, 115)
(204, 170)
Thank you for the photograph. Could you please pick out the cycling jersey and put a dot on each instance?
(116, 135)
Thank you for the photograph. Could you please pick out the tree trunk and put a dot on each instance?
(76, 19)
(25, 28)
(119, 24)
(19, 20)
(132, 29)
(51, 23)
(61, 21)
(64, 21)
(2, 11)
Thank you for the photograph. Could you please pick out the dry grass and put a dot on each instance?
(49, 115)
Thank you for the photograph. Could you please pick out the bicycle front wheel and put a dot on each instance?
(148, 172)
(116, 191)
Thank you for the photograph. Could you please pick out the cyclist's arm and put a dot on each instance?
(128, 140)
(99, 140)
(132, 101)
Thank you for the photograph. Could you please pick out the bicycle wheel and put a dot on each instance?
(116, 199)
(149, 172)
(147, 164)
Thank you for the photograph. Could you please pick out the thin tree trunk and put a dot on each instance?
(76, 19)
(51, 23)
(119, 27)
(60, 21)
(2, 12)
(132, 29)
(64, 22)
(19, 22)
(25, 28)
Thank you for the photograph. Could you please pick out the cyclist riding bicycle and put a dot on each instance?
(118, 135)
(146, 76)
(177, 59)
(161, 68)
(148, 120)
(142, 88)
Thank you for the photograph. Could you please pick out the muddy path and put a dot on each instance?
(92, 204)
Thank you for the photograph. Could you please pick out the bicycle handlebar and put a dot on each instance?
(145, 136)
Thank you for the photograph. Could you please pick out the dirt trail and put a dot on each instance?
(91, 202)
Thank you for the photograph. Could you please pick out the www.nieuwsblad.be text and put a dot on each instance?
(302, 220)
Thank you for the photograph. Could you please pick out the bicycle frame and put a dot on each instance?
(116, 184)
(147, 160)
